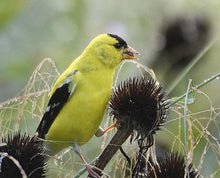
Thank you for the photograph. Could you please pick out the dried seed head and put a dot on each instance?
(139, 104)
(171, 166)
(29, 153)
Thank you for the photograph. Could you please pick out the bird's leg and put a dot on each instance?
(88, 167)
(101, 131)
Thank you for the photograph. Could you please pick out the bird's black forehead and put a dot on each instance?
(119, 39)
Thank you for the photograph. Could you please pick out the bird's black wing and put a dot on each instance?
(56, 102)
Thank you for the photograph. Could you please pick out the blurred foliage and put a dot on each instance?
(33, 30)
(8, 9)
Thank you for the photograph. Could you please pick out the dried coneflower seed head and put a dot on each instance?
(28, 156)
(140, 105)
(171, 166)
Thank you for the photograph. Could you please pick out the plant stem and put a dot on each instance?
(185, 125)
(118, 139)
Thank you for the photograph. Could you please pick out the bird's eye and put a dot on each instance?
(117, 45)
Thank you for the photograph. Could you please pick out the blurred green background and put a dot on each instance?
(168, 34)
(33, 30)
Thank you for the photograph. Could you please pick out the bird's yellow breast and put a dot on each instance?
(81, 116)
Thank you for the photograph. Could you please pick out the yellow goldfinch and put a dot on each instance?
(80, 95)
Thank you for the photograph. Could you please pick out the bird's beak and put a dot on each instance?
(129, 53)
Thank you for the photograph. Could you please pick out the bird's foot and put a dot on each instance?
(100, 132)
(95, 172)
(91, 172)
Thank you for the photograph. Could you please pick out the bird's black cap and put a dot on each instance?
(121, 43)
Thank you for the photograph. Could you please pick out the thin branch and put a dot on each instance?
(216, 76)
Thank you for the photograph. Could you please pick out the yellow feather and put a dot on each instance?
(81, 116)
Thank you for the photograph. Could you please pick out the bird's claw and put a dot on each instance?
(95, 174)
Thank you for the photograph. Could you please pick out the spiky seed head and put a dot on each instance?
(139, 104)
(29, 153)
(171, 166)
